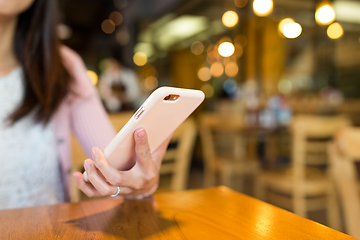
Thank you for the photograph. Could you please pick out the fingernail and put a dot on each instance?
(75, 176)
(95, 152)
(87, 165)
(141, 133)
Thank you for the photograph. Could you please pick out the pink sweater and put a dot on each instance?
(82, 112)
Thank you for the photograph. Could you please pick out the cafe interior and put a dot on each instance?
(280, 121)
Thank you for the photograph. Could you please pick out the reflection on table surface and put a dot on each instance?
(213, 213)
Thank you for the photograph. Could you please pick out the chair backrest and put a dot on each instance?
(310, 135)
(344, 152)
(176, 161)
(220, 137)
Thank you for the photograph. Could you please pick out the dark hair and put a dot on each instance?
(37, 49)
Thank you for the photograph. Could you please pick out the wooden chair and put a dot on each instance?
(224, 153)
(344, 153)
(176, 162)
(306, 181)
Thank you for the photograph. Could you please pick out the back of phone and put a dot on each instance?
(160, 115)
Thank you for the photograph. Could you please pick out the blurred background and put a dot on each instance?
(281, 77)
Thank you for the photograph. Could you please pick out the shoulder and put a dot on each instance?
(74, 64)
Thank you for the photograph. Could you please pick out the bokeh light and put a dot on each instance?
(230, 86)
(208, 90)
(240, 3)
(283, 23)
(231, 69)
(204, 74)
(284, 86)
(211, 53)
(197, 48)
(64, 31)
(149, 70)
(108, 26)
(226, 49)
(123, 36)
(335, 31)
(93, 77)
(140, 58)
(262, 7)
(149, 83)
(104, 64)
(292, 30)
(230, 19)
(325, 14)
(217, 69)
(116, 17)
(145, 47)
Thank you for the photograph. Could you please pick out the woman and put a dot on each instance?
(44, 93)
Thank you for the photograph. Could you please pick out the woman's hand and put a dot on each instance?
(138, 182)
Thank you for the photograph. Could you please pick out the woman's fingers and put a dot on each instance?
(111, 174)
(129, 181)
(85, 187)
(138, 181)
(89, 190)
(142, 149)
(99, 183)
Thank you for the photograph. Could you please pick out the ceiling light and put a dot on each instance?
(325, 14)
(262, 7)
(226, 49)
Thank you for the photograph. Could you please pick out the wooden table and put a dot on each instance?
(215, 213)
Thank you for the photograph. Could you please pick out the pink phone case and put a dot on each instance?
(158, 117)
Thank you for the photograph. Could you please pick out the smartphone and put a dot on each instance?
(162, 112)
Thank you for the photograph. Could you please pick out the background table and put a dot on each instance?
(214, 213)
